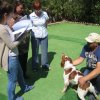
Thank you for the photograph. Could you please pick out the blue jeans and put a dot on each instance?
(87, 71)
(95, 81)
(15, 74)
(35, 50)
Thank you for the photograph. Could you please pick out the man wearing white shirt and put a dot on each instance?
(39, 36)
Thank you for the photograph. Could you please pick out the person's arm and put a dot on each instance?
(78, 61)
(47, 18)
(91, 75)
(46, 24)
(6, 38)
(81, 58)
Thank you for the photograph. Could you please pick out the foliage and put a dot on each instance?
(73, 10)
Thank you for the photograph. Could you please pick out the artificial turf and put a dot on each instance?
(65, 38)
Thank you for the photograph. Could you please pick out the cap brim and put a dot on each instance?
(88, 40)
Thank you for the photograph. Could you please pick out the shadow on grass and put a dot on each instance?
(51, 56)
(34, 76)
(3, 97)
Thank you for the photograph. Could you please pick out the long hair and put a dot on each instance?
(17, 3)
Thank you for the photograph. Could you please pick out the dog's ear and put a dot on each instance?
(63, 60)
(63, 56)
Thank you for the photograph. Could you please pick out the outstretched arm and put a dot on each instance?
(78, 61)
(91, 75)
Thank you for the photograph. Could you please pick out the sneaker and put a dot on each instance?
(19, 98)
(28, 88)
(45, 68)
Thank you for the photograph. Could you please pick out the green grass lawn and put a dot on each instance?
(65, 38)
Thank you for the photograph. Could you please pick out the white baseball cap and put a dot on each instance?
(93, 37)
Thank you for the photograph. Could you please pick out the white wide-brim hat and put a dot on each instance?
(93, 37)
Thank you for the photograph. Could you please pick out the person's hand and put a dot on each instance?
(81, 81)
(11, 22)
